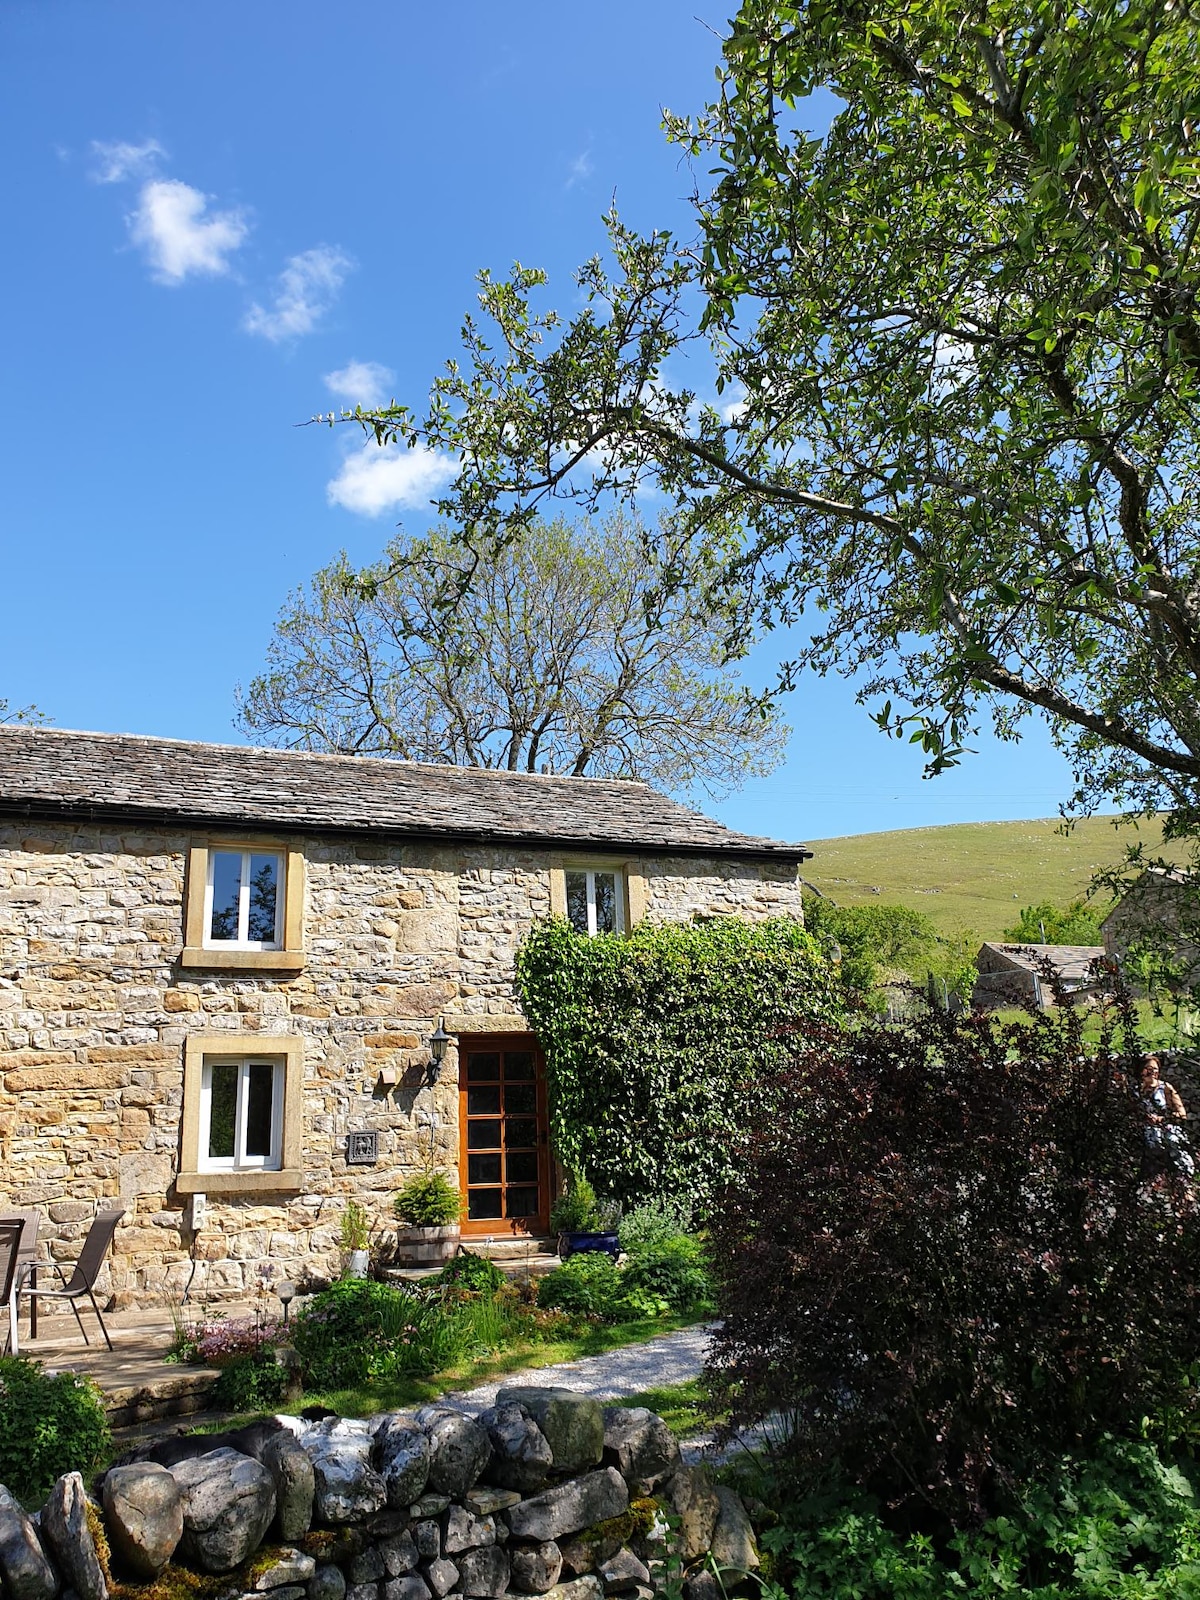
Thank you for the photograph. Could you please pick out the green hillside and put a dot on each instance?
(972, 877)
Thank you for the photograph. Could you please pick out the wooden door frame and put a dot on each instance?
(499, 1227)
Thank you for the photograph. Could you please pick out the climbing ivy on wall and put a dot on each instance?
(655, 1043)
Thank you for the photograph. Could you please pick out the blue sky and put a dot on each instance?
(224, 218)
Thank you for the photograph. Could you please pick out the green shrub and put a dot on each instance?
(674, 1270)
(251, 1383)
(577, 1209)
(1122, 1523)
(358, 1330)
(588, 1284)
(1047, 923)
(49, 1424)
(475, 1273)
(656, 1043)
(427, 1200)
(653, 1224)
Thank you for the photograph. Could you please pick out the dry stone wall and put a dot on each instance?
(95, 1009)
(546, 1493)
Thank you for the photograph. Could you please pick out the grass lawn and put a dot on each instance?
(973, 877)
(680, 1405)
(592, 1340)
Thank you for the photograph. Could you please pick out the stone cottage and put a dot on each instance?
(221, 968)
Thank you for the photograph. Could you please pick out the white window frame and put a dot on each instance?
(617, 874)
(241, 943)
(240, 1161)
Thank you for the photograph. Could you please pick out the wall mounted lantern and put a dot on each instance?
(438, 1040)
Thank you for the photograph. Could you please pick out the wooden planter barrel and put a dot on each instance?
(426, 1247)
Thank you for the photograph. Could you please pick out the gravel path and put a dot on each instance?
(657, 1364)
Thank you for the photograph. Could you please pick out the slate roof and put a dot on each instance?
(1070, 960)
(51, 772)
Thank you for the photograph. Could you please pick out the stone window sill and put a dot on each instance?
(286, 1181)
(243, 960)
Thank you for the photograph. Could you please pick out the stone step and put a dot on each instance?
(504, 1248)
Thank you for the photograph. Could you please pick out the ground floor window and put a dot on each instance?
(242, 1114)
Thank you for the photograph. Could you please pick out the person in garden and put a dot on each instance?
(1166, 1140)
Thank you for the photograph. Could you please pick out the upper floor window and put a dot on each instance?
(596, 899)
(244, 906)
(243, 903)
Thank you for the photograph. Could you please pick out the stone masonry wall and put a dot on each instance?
(545, 1493)
(95, 1008)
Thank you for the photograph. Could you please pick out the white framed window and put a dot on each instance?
(243, 900)
(241, 1114)
(595, 899)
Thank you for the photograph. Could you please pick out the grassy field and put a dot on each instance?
(972, 877)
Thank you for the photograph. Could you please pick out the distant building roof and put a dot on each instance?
(1070, 961)
(51, 772)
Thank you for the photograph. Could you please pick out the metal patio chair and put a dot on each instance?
(83, 1279)
(26, 1255)
(12, 1230)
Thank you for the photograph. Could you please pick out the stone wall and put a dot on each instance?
(95, 1008)
(545, 1493)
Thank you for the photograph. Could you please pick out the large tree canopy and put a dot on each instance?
(563, 648)
(956, 350)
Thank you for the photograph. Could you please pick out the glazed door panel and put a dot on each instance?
(504, 1154)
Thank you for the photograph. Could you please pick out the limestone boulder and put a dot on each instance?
(400, 1553)
(733, 1544)
(641, 1447)
(327, 1583)
(441, 1576)
(586, 1588)
(286, 1459)
(459, 1449)
(521, 1455)
(573, 1424)
(346, 1488)
(402, 1456)
(25, 1573)
(228, 1505)
(427, 1537)
(536, 1568)
(462, 1530)
(690, 1494)
(290, 1567)
(65, 1531)
(143, 1514)
(483, 1572)
(622, 1572)
(571, 1506)
(410, 1587)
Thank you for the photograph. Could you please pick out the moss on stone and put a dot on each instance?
(639, 1519)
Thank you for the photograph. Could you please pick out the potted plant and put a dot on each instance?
(356, 1239)
(584, 1223)
(428, 1207)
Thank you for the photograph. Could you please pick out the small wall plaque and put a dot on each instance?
(362, 1148)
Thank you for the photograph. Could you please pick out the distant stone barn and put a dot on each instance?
(220, 968)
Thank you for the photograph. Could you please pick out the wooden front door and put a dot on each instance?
(504, 1154)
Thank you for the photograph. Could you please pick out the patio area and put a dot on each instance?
(138, 1383)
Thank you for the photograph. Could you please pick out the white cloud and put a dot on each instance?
(361, 383)
(376, 479)
(178, 237)
(307, 288)
(117, 161)
(580, 169)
